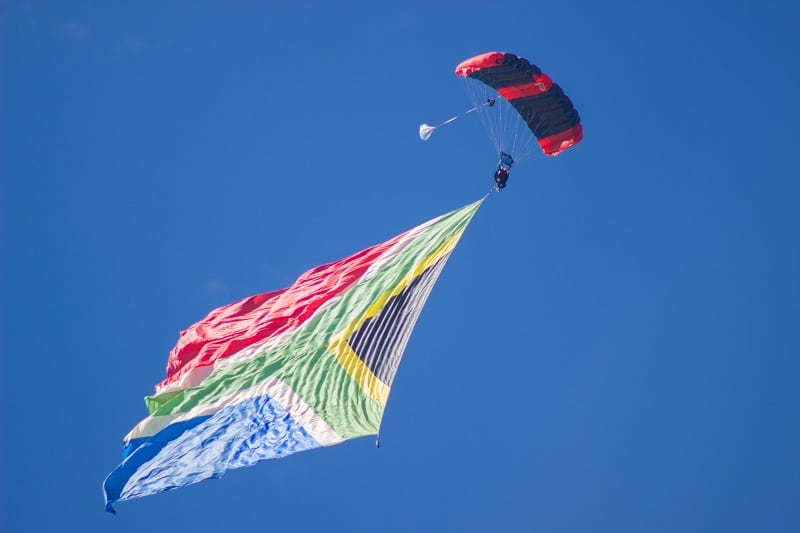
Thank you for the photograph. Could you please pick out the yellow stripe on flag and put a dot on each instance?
(350, 361)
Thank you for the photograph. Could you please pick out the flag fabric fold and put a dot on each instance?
(286, 371)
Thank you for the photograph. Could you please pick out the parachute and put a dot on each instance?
(516, 99)
(542, 105)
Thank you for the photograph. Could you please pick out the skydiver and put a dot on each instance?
(503, 168)
(500, 177)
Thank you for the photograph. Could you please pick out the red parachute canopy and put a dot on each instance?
(540, 102)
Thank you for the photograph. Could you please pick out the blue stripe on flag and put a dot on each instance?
(205, 447)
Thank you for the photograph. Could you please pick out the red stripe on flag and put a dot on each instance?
(231, 328)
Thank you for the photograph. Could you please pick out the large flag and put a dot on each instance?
(286, 371)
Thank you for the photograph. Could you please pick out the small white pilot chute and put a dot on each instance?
(426, 130)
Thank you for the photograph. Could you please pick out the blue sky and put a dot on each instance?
(612, 347)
